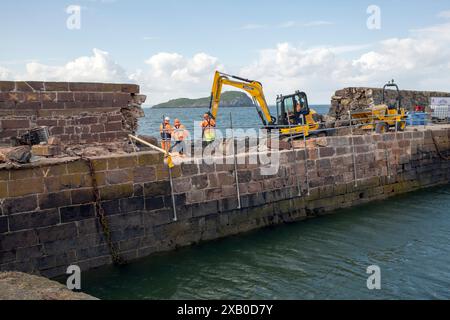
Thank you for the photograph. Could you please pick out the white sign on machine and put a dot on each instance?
(440, 107)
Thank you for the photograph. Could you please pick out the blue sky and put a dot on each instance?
(235, 33)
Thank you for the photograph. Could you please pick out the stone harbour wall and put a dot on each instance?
(75, 112)
(354, 98)
(21, 286)
(49, 211)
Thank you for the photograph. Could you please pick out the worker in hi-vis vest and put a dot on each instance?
(208, 129)
(180, 134)
(166, 133)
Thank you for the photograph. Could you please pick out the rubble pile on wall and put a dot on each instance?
(354, 99)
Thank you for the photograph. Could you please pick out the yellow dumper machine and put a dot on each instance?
(383, 117)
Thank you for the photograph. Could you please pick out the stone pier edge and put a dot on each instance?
(48, 213)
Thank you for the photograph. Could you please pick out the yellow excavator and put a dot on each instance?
(294, 117)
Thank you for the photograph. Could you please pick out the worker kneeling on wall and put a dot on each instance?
(208, 129)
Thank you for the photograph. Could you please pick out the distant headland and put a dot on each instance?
(228, 99)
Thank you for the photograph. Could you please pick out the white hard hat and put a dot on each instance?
(167, 119)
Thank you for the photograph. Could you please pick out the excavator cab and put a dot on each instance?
(295, 116)
(292, 109)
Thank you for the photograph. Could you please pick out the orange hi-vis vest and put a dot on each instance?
(166, 131)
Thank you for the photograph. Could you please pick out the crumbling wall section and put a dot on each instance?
(77, 113)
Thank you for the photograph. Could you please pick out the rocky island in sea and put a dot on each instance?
(228, 99)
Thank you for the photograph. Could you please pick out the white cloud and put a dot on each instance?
(171, 75)
(318, 23)
(424, 55)
(439, 32)
(5, 74)
(149, 38)
(98, 67)
(253, 26)
(444, 14)
(103, 1)
(286, 68)
(167, 75)
(350, 48)
(288, 24)
(165, 63)
(420, 61)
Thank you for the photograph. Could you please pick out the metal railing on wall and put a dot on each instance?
(344, 125)
(170, 165)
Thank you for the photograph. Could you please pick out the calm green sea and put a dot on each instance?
(408, 237)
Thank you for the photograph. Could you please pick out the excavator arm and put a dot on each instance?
(254, 88)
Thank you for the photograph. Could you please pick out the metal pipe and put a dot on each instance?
(149, 145)
(236, 175)
(353, 150)
(175, 217)
(306, 164)
(355, 125)
(293, 152)
(387, 156)
(396, 129)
